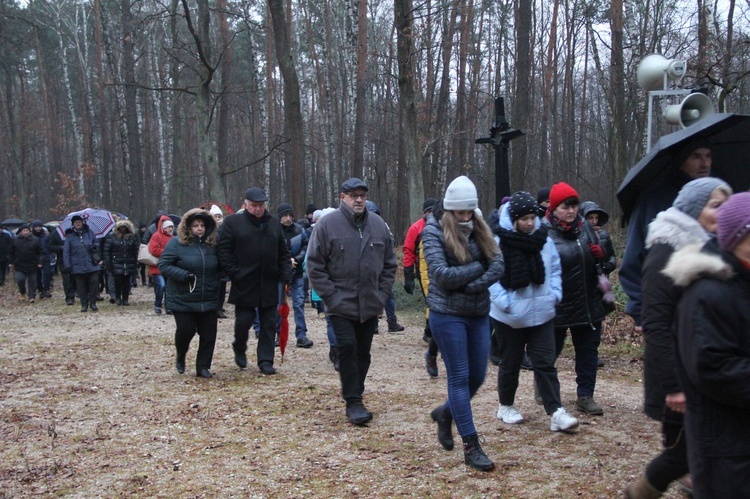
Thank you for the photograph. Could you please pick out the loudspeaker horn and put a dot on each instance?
(652, 69)
(693, 108)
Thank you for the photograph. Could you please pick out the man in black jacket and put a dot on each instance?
(253, 252)
(26, 258)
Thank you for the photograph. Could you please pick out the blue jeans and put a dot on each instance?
(297, 292)
(159, 286)
(390, 308)
(464, 343)
(586, 344)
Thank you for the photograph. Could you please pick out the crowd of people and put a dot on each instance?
(508, 287)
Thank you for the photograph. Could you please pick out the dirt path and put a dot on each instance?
(91, 405)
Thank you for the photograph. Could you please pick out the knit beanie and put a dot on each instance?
(694, 195)
(520, 204)
(215, 210)
(428, 204)
(542, 195)
(284, 209)
(461, 195)
(167, 223)
(75, 218)
(734, 221)
(559, 193)
(37, 223)
(311, 208)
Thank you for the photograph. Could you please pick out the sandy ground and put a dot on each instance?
(92, 406)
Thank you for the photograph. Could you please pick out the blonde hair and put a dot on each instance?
(458, 246)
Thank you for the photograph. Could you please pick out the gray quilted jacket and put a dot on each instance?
(457, 289)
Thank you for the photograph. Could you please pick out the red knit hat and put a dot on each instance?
(559, 193)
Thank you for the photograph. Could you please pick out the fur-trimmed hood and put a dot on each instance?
(676, 229)
(185, 235)
(126, 224)
(693, 262)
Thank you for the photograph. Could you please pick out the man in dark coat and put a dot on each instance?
(26, 259)
(44, 274)
(253, 252)
(56, 244)
(351, 264)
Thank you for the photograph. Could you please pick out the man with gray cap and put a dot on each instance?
(253, 252)
(351, 265)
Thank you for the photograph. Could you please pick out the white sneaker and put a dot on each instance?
(562, 421)
(509, 414)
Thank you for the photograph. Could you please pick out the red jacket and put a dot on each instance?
(157, 243)
(411, 242)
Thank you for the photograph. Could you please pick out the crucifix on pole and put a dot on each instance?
(500, 136)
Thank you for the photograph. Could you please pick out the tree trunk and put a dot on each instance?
(522, 84)
(360, 124)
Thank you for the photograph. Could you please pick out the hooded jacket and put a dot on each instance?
(582, 301)
(158, 242)
(534, 304)
(121, 249)
(351, 264)
(713, 364)
(457, 289)
(191, 267)
(609, 262)
(26, 253)
(81, 251)
(671, 231)
(253, 252)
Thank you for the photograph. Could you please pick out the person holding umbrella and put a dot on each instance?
(694, 160)
(81, 258)
(191, 267)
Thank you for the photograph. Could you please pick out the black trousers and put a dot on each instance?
(87, 286)
(243, 321)
(672, 463)
(190, 323)
(69, 286)
(122, 286)
(539, 341)
(353, 343)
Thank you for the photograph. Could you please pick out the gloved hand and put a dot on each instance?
(409, 279)
(596, 250)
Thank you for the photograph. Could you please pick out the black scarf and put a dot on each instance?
(523, 258)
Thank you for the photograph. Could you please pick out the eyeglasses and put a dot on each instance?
(357, 196)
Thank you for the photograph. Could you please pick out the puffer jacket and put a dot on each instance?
(671, 231)
(609, 262)
(582, 301)
(191, 267)
(713, 364)
(534, 304)
(26, 254)
(157, 243)
(121, 249)
(352, 267)
(296, 239)
(454, 288)
(81, 252)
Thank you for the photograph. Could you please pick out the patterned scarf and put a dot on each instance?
(569, 230)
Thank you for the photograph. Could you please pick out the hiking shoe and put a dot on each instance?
(586, 404)
(430, 364)
(304, 342)
(394, 327)
(357, 414)
(509, 414)
(267, 369)
(562, 421)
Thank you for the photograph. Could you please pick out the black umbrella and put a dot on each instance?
(12, 223)
(729, 135)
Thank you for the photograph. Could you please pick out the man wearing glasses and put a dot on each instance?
(351, 265)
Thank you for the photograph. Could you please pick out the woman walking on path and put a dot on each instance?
(523, 309)
(157, 243)
(81, 257)
(192, 270)
(463, 261)
(121, 258)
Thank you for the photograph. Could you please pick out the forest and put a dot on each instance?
(140, 105)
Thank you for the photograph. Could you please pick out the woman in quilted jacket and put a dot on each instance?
(156, 246)
(463, 261)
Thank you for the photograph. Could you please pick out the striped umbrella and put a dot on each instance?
(100, 222)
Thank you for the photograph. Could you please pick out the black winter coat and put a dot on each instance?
(582, 301)
(121, 249)
(713, 363)
(254, 254)
(5, 242)
(191, 267)
(26, 254)
(296, 238)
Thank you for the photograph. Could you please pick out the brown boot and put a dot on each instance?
(641, 489)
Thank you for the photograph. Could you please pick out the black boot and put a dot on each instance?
(180, 363)
(430, 363)
(442, 416)
(474, 456)
(394, 327)
(84, 306)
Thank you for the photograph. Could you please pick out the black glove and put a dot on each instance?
(409, 280)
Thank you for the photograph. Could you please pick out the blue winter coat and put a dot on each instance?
(535, 304)
(81, 251)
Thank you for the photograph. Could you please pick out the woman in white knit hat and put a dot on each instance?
(463, 261)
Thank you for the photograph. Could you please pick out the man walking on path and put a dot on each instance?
(253, 252)
(351, 264)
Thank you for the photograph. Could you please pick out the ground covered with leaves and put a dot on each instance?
(92, 406)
